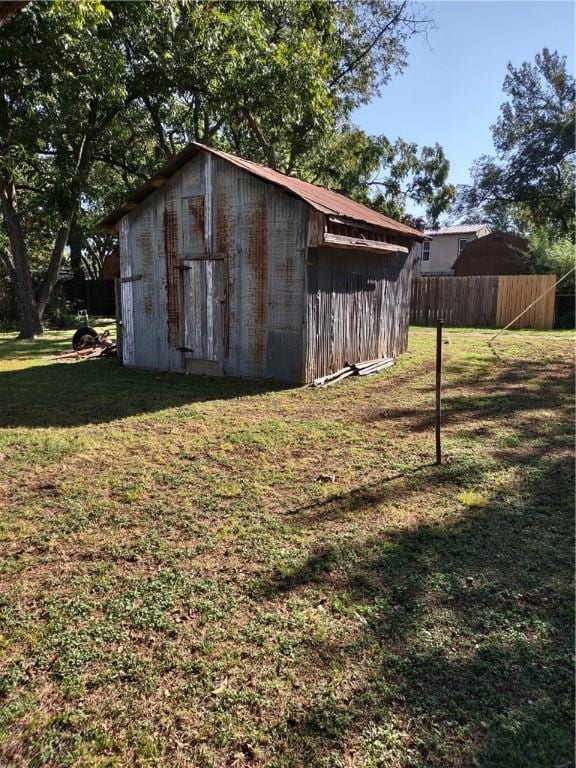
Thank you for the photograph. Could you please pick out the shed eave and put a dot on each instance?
(323, 200)
(362, 244)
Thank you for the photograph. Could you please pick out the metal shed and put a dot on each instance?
(230, 268)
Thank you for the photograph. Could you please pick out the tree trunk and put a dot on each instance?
(265, 145)
(30, 321)
(76, 260)
(68, 215)
(51, 274)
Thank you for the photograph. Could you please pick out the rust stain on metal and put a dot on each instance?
(196, 211)
(289, 267)
(258, 264)
(221, 224)
(148, 304)
(145, 248)
(170, 231)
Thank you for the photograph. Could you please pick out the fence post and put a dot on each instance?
(439, 326)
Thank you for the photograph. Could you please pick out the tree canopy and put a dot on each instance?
(95, 94)
(530, 181)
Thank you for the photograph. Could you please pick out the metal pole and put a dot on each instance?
(439, 326)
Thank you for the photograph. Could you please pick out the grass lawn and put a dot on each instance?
(199, 572)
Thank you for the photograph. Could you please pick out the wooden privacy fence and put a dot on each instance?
(488, 301)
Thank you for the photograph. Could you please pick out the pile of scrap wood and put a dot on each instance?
(89, 346)
(357, 369)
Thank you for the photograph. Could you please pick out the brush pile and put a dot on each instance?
(357, 369)
(88, 344)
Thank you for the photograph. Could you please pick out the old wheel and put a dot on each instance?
(83, 334)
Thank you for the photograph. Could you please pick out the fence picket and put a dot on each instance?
(489, 301)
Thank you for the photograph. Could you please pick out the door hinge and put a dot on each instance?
(131, 279)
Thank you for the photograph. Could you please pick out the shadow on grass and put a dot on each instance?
(100, 391)
(521, 388)
(360, 498)
(26, 349)
(465, 658)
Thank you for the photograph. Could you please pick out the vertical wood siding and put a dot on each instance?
(483, 301)
(356, 309)
(203, 284)
(516, 292)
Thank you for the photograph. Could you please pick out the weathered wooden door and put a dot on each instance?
(204, 315)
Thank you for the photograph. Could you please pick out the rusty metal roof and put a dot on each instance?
(321, 199)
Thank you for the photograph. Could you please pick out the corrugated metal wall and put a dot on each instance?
(217, 251)
(357, 307)
(263, 232)
(150, 244)
(210, 210)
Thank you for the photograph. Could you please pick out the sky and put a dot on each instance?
(451, 91)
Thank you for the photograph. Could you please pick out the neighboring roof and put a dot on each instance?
(321, 199)
(499, 235)
(498, 253)
(456, 229)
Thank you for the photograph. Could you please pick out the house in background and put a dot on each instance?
(444, 246)
(498, 253)
(230, 268)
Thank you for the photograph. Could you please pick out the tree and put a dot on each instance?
(96, 93)
(382, 174)
(549, 253)
(530, 182)
(272, 80)
(62, 88)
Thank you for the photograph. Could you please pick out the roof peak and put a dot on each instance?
(320, 198)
